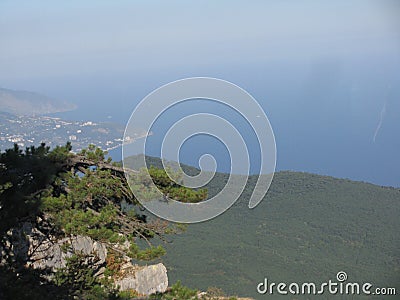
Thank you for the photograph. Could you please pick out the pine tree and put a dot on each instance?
(79, 194)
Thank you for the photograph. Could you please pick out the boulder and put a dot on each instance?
(144, 280)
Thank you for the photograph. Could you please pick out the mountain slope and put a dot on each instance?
(29, 103)
(307, 229)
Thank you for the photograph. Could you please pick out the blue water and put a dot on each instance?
(324, 118)
(333, 141)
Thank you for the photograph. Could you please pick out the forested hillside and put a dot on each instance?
(308, 228)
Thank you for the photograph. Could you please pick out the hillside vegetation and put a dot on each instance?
(308, 228)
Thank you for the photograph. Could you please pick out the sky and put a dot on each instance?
(48, 38)
(326, 72)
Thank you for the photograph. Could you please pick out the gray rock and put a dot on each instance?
(50, 255)
(145, 280)
(42, 251)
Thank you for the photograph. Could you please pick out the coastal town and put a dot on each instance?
(33, 130)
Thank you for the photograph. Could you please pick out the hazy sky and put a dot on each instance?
(57, 38)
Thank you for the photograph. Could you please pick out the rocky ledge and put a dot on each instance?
(44, 251)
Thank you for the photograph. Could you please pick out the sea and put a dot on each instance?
(327, 140)
(340, 119)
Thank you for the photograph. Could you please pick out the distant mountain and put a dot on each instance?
(307, 229)
(30, 103)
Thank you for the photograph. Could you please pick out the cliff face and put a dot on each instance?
(41, 250)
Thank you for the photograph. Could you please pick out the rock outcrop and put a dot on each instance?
(51, 255)
(145, 280)
(44, 251)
